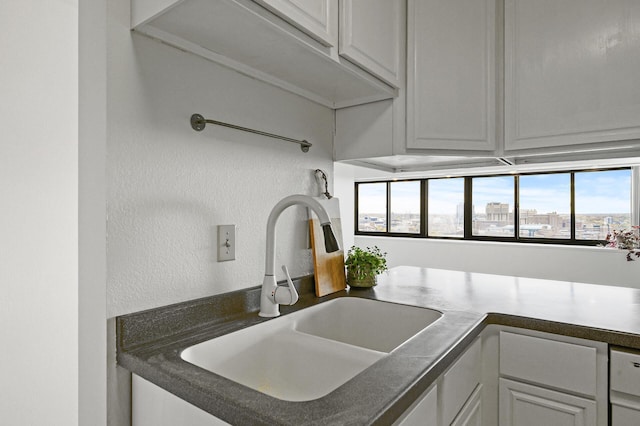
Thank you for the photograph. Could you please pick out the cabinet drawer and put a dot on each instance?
(551, 363)
(460, 381)
(625, 372)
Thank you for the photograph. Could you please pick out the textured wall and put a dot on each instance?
(169, 186)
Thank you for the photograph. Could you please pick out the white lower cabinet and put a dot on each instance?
(424, 412)
(625, 416)
(460, 382)
(625, 387)
(153, 406)
(471, 412)
(456, 396)
(522, 404)
(548, 379)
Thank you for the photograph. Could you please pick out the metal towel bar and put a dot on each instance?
(198, 124)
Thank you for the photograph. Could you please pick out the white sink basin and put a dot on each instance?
(309, 353)
(367, 323)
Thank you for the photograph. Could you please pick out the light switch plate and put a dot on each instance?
(226, 242)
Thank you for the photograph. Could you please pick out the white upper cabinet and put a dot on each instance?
(451, 90)
(318, 18)
(506, 81)
(292, 44)
(572, 72)
(372, 35)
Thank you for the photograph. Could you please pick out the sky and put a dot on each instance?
(445, 195)
(597, 192)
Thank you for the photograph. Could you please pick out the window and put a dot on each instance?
(603, 203)
(493, 201)
(372, 207)
(569, 207)
(544, 210)
(405, 207)
(445, 206)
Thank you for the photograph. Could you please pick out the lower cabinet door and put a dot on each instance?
(471, 412)
(423, 412)
(526, 405)
(153, 406)
(625, 415)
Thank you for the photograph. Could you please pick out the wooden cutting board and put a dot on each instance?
(328, 267)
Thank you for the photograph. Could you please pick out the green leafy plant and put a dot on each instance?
(362, 263)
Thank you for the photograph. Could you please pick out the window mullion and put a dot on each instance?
(635, 196)
(388, 207)
(516, 207)
(356, 210)
(468, 209)
(572, 215)
(424, 208)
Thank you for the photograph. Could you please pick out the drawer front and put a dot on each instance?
(625, 372)
(460, 381)
(547, 362)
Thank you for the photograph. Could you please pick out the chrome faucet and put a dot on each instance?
(273, 295)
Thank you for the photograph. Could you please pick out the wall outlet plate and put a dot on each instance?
(226, 242)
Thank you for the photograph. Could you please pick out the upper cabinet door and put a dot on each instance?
(317, 18)
(451, 88)
(572, 69)
(372, 35)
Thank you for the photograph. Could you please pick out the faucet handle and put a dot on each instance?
(293, 294)
(292, 288)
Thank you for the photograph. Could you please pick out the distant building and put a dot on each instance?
(525, 214)
(498, 212)
(552, 219)
(460, 215)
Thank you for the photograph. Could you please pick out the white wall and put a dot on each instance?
(578, 264)
(169, 186)
(92, 241)
(39, 212)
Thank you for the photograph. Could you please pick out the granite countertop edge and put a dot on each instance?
(150, 342)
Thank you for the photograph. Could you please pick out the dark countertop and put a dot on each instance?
(150, 342)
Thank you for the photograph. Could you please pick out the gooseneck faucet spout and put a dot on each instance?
(272, 294)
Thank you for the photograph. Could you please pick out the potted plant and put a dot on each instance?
(626, 240)
(364, 266)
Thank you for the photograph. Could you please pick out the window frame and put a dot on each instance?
(468, 213)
